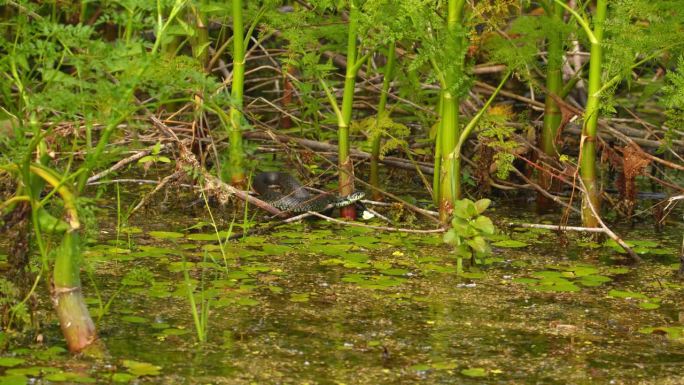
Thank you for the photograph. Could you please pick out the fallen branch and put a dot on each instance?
(168, 179)
(557, 227)
(126, 161)
(603, 230)
(607, 230)
(383, 228)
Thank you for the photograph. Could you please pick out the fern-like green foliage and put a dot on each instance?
(383, 126)
(70, 73)
(636, 30)
(674, 102)
(12, 307)
(519, 44)
(494, 133)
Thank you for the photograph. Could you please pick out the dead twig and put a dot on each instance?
(556, 227)
(126, 161)
(383, 228)
(607, 230)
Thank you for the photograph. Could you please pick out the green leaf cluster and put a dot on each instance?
(496, 134)
(518, 47)
(470, 229)
(674, 102)
(384, 126)
(12, 309)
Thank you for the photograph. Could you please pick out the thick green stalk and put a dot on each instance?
(77, 325)
(438, 155)
(375, 152)
(552, 112)
(346, 178)
(201, 47)
(237, 173)
(591, 115)
(450, 173)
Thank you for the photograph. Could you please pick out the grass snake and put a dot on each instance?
(284, 192)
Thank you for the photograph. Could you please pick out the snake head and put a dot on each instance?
(356, 196)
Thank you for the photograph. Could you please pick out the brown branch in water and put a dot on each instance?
(490, 89)
(126, 161)
(542, 191)
(556, 227)
(383, 228)
(608, 231)
(168, 179)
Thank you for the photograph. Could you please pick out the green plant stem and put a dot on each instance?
(196, 317)
(588, 168)
(473, 122)
(235, 164)
(438, 156)
(450, 172)
(346, 175)
(77, 325)
(375, 145)
(161, 26)
(201, 48)
(593, 39)
(552, 112)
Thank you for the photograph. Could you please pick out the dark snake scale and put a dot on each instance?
(284, 192)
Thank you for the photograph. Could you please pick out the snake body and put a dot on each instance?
(286, 193)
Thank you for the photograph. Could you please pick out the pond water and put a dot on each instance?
(319, 303)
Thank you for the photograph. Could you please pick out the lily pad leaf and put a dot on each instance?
(510, 244)
(165, 234)
(13, 380)
(141, 368)
(134, 319)
(9, 362)
(122, 377)
(474, 372)
(299, 297)
(649, 305)
(397, 272)
(625, 294)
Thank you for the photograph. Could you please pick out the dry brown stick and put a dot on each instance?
(167, 179)
(125, 161)
(650, 131)
(489, 89)
(649, 143)
(665, 183)
(211, 183)
(384, 228)
(542, 191)
(556, 227)
(607, 230)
